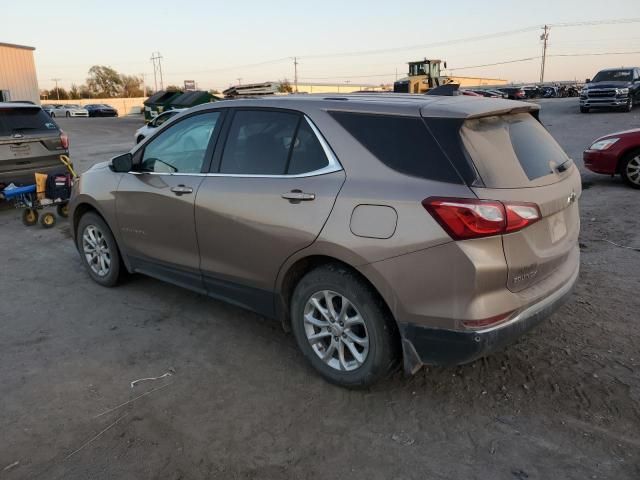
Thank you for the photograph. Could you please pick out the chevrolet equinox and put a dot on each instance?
(377, 227)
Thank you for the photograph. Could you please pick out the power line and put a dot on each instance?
(593, 54)
(518, 60)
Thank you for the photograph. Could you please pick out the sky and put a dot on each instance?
(217, 43)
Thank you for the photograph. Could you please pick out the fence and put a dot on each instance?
(125, 106)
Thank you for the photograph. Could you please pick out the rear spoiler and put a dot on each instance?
(466, 108)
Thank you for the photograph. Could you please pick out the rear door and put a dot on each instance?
(29, 140)
(519, 161)
(273, 187)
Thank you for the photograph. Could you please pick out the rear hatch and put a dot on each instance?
(517, 160)
(29, 140)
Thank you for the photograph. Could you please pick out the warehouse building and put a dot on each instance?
(18, 79)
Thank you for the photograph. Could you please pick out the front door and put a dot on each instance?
(274, 186)
(155, 202)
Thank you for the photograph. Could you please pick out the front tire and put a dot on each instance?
(98, 250)
(630, 169)
(584, 110)
(68, 114)
(343, 327)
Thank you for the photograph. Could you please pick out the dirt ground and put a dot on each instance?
(239, 401)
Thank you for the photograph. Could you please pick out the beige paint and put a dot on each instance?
(18, 72)
(125, 106)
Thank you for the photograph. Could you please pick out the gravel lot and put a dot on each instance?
(562, 403)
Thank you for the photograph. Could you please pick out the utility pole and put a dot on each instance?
(295, 72)
(239, 81)
(57, 91)
(144, 85)
(544, 37)
(156, 58)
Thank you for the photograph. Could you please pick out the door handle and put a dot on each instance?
(297, 196)
(181, 190)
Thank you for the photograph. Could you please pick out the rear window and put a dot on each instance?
(25, 121)
(511, 150)
(401, 143)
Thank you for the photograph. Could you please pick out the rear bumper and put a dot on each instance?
(429, 346)
(27, 176)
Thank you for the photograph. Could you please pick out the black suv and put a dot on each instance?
(617, 88)
(30, 142)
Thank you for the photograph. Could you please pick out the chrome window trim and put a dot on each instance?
(333, 165)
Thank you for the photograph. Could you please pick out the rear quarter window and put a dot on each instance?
(401, 143)
(25, 121)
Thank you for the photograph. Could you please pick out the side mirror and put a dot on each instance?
(122, 163)
(588, 80)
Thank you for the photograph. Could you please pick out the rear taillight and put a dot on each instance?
(465, 218)
(64, 140)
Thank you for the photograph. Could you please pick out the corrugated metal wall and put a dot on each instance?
(18, 73)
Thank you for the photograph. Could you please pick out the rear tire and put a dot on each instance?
(356, 333)
(29, 217)
(53, 115)
(48, 220)
(63, 210)
(98, 250)
(630, 168)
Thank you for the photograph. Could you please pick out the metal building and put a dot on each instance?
(18, 74)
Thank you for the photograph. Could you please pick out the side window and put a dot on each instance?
(307, 154)
(401, 143)
(259, 142)
(182, 147)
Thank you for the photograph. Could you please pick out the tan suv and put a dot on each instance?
(376, 227)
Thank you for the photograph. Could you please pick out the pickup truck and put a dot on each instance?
(617, 88)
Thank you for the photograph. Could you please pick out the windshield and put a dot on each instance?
(613, 76)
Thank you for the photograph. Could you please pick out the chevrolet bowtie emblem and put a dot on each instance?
(571, 198)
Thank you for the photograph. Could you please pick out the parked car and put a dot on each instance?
(616, 153)
(469, 93)
(489, 93)
(513, 93)
(101, 110)
(617, 88)
(146, 130)
(50, 108)
(69, 110)
(30, 142)
(376, 227)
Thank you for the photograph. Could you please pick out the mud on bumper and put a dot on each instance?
(429, 346)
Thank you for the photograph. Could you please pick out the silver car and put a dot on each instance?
(70, 110)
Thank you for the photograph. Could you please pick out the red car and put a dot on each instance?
(616, 153)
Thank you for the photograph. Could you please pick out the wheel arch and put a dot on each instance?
(295, 270)
(84, 207)
(628, 151)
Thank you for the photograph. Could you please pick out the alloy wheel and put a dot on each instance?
(633, 170)
(96, 250)
(336, 331)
